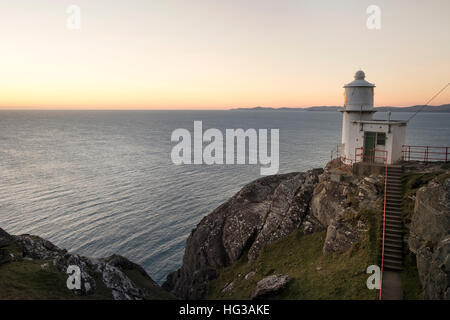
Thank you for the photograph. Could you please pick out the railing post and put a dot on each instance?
(446, 154)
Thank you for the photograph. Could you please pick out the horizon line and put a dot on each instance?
(188, 109)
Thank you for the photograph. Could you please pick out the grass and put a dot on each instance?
(412, 288)
(314, 275)
(29, 280)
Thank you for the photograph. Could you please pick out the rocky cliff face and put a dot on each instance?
(112, 274)
(429, 237)
(270, 208)
(263, 211)
(337, 202)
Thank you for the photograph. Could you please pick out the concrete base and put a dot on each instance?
(367, 168)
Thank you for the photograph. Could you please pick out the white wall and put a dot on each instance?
(351, 134)
(394, 140)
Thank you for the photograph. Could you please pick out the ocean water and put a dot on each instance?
(102, 182)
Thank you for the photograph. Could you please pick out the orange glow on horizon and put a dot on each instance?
(217, 55)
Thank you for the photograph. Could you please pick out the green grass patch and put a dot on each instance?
(29, 280)
(412, 288)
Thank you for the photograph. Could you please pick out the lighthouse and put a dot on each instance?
(364, 138)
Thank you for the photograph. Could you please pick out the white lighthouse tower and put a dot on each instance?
(358, 106)
(363, 138)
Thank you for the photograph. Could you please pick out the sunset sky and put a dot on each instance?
(218, 54)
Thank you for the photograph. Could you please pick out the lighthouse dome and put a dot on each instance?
(360, 75)
(359, 81)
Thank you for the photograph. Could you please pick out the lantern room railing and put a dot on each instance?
(425, 153)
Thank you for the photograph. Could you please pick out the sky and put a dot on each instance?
(219, 54)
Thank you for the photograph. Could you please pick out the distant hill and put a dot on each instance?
(441, 108)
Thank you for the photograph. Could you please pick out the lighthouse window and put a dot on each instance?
(381, 138)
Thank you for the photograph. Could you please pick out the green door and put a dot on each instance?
(369, 146)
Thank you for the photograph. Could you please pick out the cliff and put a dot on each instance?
(428, 222)
(34, 268)
(267, 211)
(302, 235)
(263, 211)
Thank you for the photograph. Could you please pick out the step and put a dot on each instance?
(393, 251)
(395, 175)
(397, 188)
(394, 205)
(397, 193)
(394, 184)
(394, 201)
(395, 262)
(394, 213)
(395, 198)
(394, 223)
(392, 230)
(393, 256)
(394, 219)
(395, 171)
(391, 217)
(394, 195)
(392, 237)
(389, 266)
(393, 242)
(394, 210)
(392, 245)
(395, 167)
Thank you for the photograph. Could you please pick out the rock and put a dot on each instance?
(430, 238)
(228, 287)
(336, 207)
(318, 268)
(340, 236)
(124, 264)
(88, 284)
(37, 248)
(122, 287)
(249, 275)
(307, 227)
(111, 271)
(328, 202)
(261, 212)
(5, 238)
(270, 285)
(5, 256)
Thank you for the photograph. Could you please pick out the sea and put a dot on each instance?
(103, 182)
